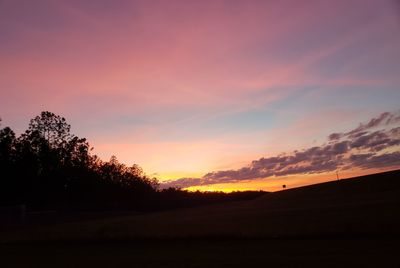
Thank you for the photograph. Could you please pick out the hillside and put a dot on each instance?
(359, 206)
(348, 223)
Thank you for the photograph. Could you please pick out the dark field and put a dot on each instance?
(347, 223)
(215, 253)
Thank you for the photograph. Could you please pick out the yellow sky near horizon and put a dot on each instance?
(274, 184)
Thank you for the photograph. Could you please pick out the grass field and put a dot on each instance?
(352, 222)
(216, 253)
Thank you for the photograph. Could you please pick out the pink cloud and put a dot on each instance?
(99, 62)
(361, 148)
(165, 54)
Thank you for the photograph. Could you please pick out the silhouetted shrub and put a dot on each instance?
(48, 167)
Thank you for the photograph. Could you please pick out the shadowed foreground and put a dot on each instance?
(217, 253)
(343, 223)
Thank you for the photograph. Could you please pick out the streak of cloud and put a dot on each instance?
(358, 148)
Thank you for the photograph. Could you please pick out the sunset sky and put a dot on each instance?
(212, 95)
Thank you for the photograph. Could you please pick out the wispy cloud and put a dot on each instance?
(383, 120)
(145, 79)
(367, 146)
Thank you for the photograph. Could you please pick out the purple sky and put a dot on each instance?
(187, 89)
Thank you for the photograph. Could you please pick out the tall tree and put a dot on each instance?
(53, 128)
(7, 143)
(7, 165)
(49, 166)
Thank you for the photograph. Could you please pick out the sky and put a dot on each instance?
(212, 95)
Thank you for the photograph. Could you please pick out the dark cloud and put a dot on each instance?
(375, 141)
(357, 135)
(395, 132)
(335, 136)
(384, 119)
(367, 161)
(358, 148)
(182, 183)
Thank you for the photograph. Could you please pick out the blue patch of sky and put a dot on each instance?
(318, 99)
(373, 56)
(247, 121)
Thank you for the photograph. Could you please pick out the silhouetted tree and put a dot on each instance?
(7, 143)
(7, 165)
(47, 166)
(52, 128)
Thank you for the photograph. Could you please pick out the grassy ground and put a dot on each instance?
(346, 223)
(217, 253)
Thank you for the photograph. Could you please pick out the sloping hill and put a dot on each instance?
(349, 223)
(363, 206)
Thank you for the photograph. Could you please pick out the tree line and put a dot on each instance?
(49, 167)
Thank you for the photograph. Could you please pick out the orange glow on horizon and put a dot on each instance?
(274, 184)
(188, 88)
